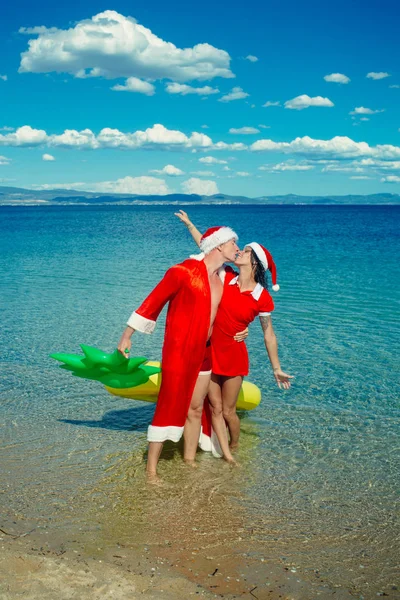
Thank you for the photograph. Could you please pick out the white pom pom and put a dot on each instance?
(276, 287)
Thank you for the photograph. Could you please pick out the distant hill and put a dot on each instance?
(19, 196)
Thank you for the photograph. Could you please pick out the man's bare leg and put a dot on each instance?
(153, 457)
(230, 392)
(218, 421)
(191, 433)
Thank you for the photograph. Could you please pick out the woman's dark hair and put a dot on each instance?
(258, 270)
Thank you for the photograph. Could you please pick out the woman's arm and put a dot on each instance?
(196, 235)
(271, 344)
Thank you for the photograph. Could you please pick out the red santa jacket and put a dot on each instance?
(186, 289)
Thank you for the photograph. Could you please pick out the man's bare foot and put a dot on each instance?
(190, 462)
(233, 447)
(153, 478)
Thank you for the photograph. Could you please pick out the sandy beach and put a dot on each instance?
(33, 571)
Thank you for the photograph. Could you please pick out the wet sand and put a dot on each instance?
(37, 569)
(190, 536)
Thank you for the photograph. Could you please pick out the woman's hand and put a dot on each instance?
(282, 379)
(183, 217)
(241, 335)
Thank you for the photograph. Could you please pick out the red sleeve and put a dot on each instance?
(144, 318)
(265, 304)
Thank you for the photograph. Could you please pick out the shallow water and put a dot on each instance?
(318, 486)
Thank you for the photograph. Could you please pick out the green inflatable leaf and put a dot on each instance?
(121, 381)
(72, 360)
(113, 370)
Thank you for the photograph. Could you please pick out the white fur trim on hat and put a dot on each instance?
(212, 241)
(260, 253)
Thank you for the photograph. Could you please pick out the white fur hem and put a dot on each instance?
(140, 323)
(161, 434)
(210, 444)
(198, 257)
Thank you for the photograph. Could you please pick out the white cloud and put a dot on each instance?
(391, 179)
(202, 187)
(394, 86)
(304, 101)
(361, 110)
(157, 136)
(268, 103)
(235, 94)
(160, 138)
(210, 160)
(184, 90)
(343, 168)
(134, 185)
(224, 146)
(360, 177)
(24, 136)
(48, 157)
(37, 30)
(111, 45)
(3, 77)
(205, 127)
(225, 168)
(65, 186)
(169, 170)
(380, 75)
(340, 147)
(286, 166)
(127, 185)
(364, 119)
(337, 78)
(203, 173)
(252, 58)
(244, 130)
(265, 126)
(5, 128)
(243, 174)
(4, 160)
(133, 84)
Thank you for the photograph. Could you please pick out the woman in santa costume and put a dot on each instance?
(192, 291)
(244, 298)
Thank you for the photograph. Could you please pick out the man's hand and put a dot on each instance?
(183, 217)
(124, 346)
(241, 335)
(282, 379)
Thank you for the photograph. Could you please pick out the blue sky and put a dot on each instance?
(255, 98)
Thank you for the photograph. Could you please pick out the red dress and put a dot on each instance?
(236, 310)
(186, 289)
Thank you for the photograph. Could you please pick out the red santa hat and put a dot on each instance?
(215, 236)
(267, 262)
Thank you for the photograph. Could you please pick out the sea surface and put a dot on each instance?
(317, 492)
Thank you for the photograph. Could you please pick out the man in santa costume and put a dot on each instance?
(193, 291)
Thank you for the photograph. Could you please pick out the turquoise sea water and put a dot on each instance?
(321, 479)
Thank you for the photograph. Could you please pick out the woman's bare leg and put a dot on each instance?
(230, 391)
(217, 418)
(191, 433)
